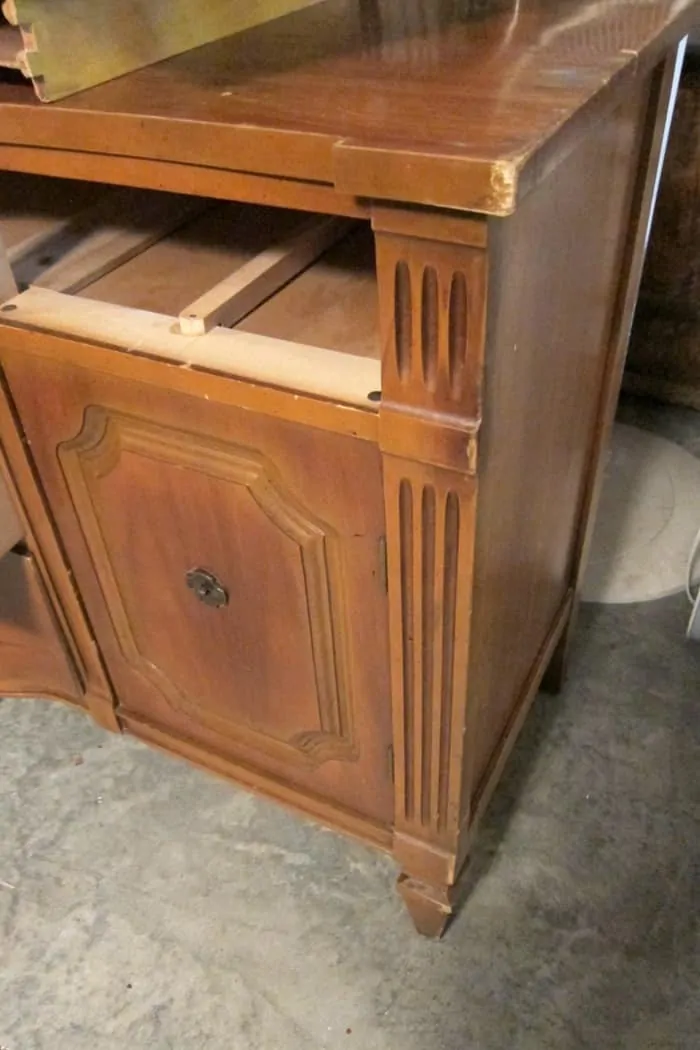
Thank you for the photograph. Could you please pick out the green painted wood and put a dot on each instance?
(71, 45)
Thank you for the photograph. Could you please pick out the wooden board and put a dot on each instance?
(334, 304)
(70, 45)
(342, 378)
(193, 259)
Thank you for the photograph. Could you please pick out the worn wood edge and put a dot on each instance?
(662, 389)
(311, 370)
(489, 781)
(360, 423)
(246, 288)
(299, 800)
(485, 186)
(490, 186)
(296, 194)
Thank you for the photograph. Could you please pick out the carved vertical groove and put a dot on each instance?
(407, 600)
(431, 335)
(424, 742)
(430, 327)
(403, 320)
(430, 522)
(449, 597)
(457, 335)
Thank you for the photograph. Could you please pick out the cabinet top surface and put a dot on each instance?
(461, 103)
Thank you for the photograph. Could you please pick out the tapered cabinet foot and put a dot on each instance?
(430, 907)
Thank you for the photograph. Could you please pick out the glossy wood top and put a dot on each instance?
(461, 103)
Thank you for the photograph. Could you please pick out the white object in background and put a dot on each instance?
(647, 520)
(694, 624)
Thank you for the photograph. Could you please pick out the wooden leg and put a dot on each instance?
(430, 907)
(554, 678)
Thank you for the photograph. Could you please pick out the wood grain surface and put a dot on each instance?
(466, 105)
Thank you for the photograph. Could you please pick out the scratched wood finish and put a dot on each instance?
(466, 105)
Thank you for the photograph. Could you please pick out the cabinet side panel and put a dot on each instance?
(554, 276)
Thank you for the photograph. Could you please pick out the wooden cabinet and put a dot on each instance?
(307, 404)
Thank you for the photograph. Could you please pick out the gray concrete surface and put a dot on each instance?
(144, 904)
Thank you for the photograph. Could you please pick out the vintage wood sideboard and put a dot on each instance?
(310, 343)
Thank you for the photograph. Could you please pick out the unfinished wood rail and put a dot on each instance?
(74, 253)
(339, 377)
(234, 297)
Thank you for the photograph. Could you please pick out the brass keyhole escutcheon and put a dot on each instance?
(206, 588)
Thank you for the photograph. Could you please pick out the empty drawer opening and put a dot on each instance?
(303, 278)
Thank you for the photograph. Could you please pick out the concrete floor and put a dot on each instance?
(144, 904)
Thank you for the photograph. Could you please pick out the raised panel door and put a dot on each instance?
(232, 567)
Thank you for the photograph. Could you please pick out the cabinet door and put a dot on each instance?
(231, 566)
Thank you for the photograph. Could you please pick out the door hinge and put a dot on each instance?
(383, 564)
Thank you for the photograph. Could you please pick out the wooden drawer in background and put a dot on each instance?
(34, 660)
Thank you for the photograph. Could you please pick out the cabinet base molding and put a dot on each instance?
(319, 809)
